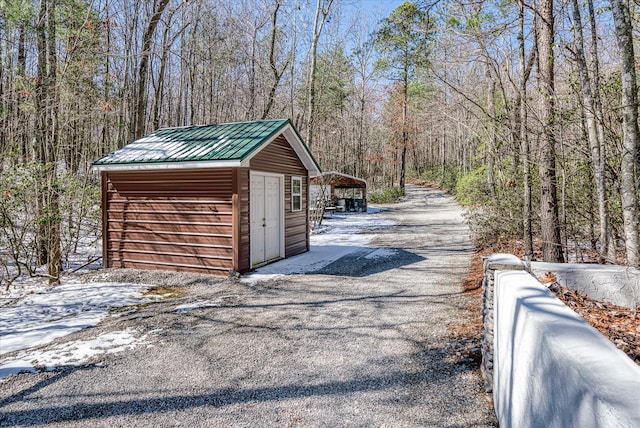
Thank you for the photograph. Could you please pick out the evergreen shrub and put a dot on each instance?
(387, 195)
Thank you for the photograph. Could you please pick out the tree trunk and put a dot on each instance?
(630, 132)
(46, 103)
(107, 83)
(167, 44)
(360, 145)
(524, 137)
(551, 240)
(493, 138)
(157, 96)
(22, 120)
(126, 119)
(318, 24)
(251, 111)
(443, 158)
(602, 151)
(143, 70)
(592, 132)
(277, 74)
(405, 125)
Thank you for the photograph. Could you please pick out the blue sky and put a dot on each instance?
(378, 8)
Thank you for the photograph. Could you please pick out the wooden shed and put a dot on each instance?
(207, 198)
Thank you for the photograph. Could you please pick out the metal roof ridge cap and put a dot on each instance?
(176, 127)
(265, 140)
(212, 124)
(281, 123)
(251, 121)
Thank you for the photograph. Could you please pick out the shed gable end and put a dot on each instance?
(280, 158)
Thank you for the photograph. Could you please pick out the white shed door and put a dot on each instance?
(267, 210)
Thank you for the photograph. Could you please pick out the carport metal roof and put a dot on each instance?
(339, 180)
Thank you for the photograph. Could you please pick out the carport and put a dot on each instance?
(344, 192)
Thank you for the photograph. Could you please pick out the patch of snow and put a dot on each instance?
(187, 307)
(51, 313)
(340, 235)
(70, 354)
(33, 314)
(374, 210)
(86, 257)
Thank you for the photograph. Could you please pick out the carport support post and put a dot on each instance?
(364, 199)
(496, 262)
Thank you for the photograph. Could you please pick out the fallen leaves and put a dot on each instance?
(464, 345)
(619, 324)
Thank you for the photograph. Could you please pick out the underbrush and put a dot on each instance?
(27, 223)
(387, 195)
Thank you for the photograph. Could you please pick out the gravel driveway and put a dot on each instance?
(365, 341)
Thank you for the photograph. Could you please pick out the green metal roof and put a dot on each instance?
(217, 142)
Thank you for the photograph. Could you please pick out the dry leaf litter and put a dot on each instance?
(619, 324)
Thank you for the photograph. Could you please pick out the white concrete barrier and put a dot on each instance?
(619, 285)
(551, 368)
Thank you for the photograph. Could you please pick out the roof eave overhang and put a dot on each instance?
(301, 150)
(295, 141)
(148, 166)
(350, 177)
(287, 130)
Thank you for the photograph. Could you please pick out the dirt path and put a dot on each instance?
(366, 341)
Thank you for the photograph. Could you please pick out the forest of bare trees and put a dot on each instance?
(527, 110)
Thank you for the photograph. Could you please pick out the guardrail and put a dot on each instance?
(545, 365)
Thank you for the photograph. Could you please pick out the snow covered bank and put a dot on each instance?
(550, 367)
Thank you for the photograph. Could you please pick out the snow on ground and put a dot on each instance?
(71, 353)
(338, 236)
(33, 314)
(51, 313)
(188, 307)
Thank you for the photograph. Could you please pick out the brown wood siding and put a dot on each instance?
(243, 241)
(105, 221)
(177, 220)
(278, 157)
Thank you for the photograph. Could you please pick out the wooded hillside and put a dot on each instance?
(528, 110)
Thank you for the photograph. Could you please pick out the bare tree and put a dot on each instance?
(601, 153)
(323, 8)
(167, 42)
(46, 102)
(551, 240)
(525, 71)
(277, 72)
(143, 68)
(589, 108)
(629, 184)
(363, 58)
